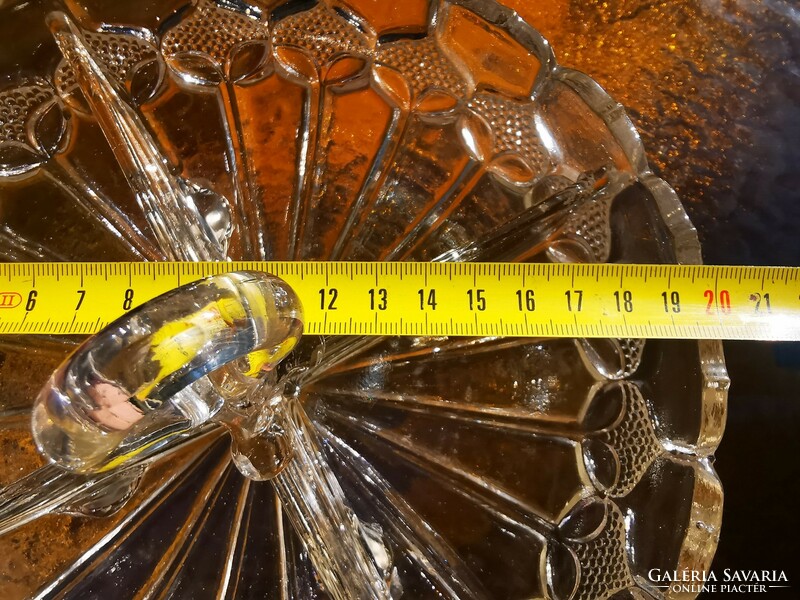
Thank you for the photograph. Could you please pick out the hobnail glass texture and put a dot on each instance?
(302, 467)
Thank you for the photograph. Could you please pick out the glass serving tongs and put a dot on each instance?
(200, 355)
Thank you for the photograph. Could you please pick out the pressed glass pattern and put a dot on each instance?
(380, 468)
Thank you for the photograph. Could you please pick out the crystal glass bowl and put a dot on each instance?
(422, 467)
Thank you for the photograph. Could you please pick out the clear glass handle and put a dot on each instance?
(141, 382)
(138, 384)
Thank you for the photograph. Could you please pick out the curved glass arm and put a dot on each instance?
(128, 390)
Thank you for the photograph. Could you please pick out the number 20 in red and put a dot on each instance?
(723, 302)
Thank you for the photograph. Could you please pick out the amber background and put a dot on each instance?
(714, 88)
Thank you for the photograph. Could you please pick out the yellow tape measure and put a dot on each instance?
(437, 299)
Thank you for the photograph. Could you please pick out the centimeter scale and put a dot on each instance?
(437, 299)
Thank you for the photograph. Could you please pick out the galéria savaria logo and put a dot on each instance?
(731, 581)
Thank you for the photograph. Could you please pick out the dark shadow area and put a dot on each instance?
(759, 462)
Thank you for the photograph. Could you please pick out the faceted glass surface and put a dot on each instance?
(418, 467)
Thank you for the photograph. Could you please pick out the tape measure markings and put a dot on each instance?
(462, 299)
